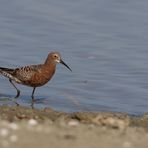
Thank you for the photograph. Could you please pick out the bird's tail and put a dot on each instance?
(7, 72)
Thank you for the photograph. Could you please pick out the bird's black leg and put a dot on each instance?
(18, 91)
(32, 96)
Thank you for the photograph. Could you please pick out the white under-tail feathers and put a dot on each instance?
(9, 75)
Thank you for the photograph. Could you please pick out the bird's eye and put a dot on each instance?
(55, 56)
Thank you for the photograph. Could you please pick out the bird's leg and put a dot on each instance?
(18, 91)
(32, 105)
(32, 96)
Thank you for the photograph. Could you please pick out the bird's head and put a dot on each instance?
(56, 57)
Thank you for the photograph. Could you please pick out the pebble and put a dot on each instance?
(32, 122)
(73, 123)
(4, 132)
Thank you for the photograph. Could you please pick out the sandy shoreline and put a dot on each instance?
(25, 127)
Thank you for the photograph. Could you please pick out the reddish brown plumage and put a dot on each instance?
(34, 75)
(41, 77)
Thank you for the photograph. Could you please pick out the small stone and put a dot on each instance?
(4, 132)
(73, 123)
(32, 122)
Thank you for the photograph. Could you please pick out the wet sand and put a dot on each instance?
(24, 127)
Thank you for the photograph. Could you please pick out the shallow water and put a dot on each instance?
(104, 42)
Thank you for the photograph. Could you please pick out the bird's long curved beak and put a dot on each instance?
(62, 62)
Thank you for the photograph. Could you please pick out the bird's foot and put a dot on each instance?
(18, 94)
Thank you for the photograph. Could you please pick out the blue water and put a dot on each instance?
(105, 42)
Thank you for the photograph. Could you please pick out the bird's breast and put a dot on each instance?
(40, 78)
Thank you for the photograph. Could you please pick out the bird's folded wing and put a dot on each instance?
(27, 72)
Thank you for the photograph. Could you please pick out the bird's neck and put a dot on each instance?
(50, 63)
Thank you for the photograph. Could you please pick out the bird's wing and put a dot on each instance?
(27, 72)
